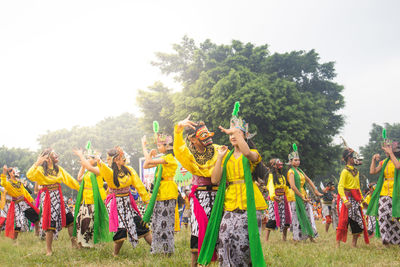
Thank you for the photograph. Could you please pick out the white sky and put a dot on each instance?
(66, 63)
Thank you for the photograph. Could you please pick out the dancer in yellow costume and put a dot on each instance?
(55, 213)
(164, 204)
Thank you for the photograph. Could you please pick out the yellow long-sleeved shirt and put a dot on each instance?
(272, 187)
(348, 181)
(235, 196)
(36, 174)
(88, 189)
(188, 161)
(388, 175)
(168, 188)
(14, 188)
(301, 189)
(124, 180)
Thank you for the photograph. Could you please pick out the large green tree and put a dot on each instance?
(286, 98)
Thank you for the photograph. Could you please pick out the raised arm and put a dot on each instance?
(85, 163)
(389, 150)
(373, 169)
(243, 146)
(314, 188)
(217, 171)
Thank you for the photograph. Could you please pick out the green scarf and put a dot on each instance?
(101, 229)
(300, 209)
(157, 178)
(374, 203)
(213, 226)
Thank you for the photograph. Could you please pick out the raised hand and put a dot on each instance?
(376, 157)
(229, 131)
(144, 141)
(388, 149)
(5, 169)
(222, 151)
(187, 123)
(78, 152)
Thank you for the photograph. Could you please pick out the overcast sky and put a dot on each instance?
(66, 63)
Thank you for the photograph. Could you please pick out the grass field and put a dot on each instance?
(30, 252)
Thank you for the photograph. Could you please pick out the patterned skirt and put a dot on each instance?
(206, 200)
(20, 221)
(388, 226)
(233, 246)
(130, 223)
(355, 216)
(271, 224)
(56, 223)
(163, 227)
(296, 228)
(85, 225)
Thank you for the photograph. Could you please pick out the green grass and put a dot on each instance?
(31, 252)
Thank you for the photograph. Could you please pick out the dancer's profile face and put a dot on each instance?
(161, 148)
(54, 157)
(296, 162)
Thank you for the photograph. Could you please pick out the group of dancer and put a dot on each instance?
(226, 202)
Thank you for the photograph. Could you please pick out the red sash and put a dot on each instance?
(10, 222)
(341, 230)
(46, 215)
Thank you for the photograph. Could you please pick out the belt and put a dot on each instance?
(279, 192)
(18, 199)
(167, 178)
(52, 187)
(236, 182)
(389, 179)
(207, 188)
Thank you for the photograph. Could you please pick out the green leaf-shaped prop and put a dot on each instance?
(384, 134)
(294, 147)
(236, 109)
(155, 126)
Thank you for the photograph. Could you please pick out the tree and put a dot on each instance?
(122, 130)
(286, 98)
(157, 104)
(22, 158)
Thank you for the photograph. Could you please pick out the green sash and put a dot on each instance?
(374, 203)
(210, 238)
(101, 229)
(157, 177)
(300, 209)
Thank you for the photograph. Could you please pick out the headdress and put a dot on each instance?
(90, 152)
(161, 138)
(294, 154)
(349, 152)
(388, 142)
(237, 122)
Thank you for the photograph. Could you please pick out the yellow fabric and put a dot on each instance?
(186, 158)
(177, 226)
(235, 196)
(14, 191)
(3, 198)
(387, 188)
(302, 182)
(367, 199)
(290, 195)
(36, 174)
(348, 181)
(168, 188)
(272, 187)
(124, 180)
(88, 191)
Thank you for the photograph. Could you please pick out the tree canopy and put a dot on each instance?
(286, 98)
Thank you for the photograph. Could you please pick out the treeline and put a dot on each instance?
(286, 98)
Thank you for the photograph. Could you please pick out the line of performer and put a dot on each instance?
(232, 191)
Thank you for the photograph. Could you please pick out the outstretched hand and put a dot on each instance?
(388, 149)
(222, 151)
(187, 123)
(229, 131)
(144, 141)
(5, 168)
(78, 152)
